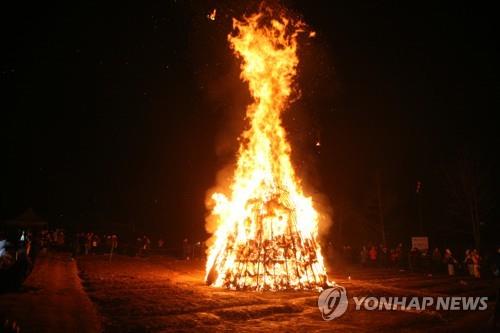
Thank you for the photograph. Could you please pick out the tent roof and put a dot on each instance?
(27, 219)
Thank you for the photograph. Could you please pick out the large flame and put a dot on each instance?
(266, 236)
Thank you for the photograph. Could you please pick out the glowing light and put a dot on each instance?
(212, 14)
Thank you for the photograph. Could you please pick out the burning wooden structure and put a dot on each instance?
(266, 235)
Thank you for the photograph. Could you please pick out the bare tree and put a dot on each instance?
(381, 201)
(380, 209)
(469, 193)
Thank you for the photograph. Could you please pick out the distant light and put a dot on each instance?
(211, 16)
(318, 144)
(312, 34)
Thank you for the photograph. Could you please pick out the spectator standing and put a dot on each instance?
(476, 260)
(384, 255)
(413, 257)
(95, 243)
(436, 260)
(88, 243)
(363, 254)
(468, 262)
(372, 254)
(161, 243)
(399, 255)
(450, 262)
(113, 245)
(139, 246)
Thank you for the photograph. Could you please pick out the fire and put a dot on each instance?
(212, 14)
(266, 237)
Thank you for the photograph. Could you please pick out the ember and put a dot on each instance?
(266, 237)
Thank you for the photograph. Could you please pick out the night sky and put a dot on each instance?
(120, 116)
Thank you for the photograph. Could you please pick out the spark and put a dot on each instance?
(212, 14)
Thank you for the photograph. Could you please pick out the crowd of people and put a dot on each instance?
(471, 263)
(52, 238)
(92, 243)
(369, 255)
(414, 259)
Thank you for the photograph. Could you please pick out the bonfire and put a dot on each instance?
(267, 228)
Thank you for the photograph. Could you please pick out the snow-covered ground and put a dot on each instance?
(158, 294)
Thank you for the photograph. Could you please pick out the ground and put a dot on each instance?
(51, 300)
(158, 294)
(161, 294)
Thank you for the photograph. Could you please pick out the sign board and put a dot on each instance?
(421, 243)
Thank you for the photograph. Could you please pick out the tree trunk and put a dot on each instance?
(380, 210)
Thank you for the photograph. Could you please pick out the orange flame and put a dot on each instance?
(212, 14)
(266, 236)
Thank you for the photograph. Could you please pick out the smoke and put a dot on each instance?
(325, 212)
(223, 182)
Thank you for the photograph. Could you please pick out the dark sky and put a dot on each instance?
(122, 115)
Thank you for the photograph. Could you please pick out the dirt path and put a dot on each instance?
(52, 299)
